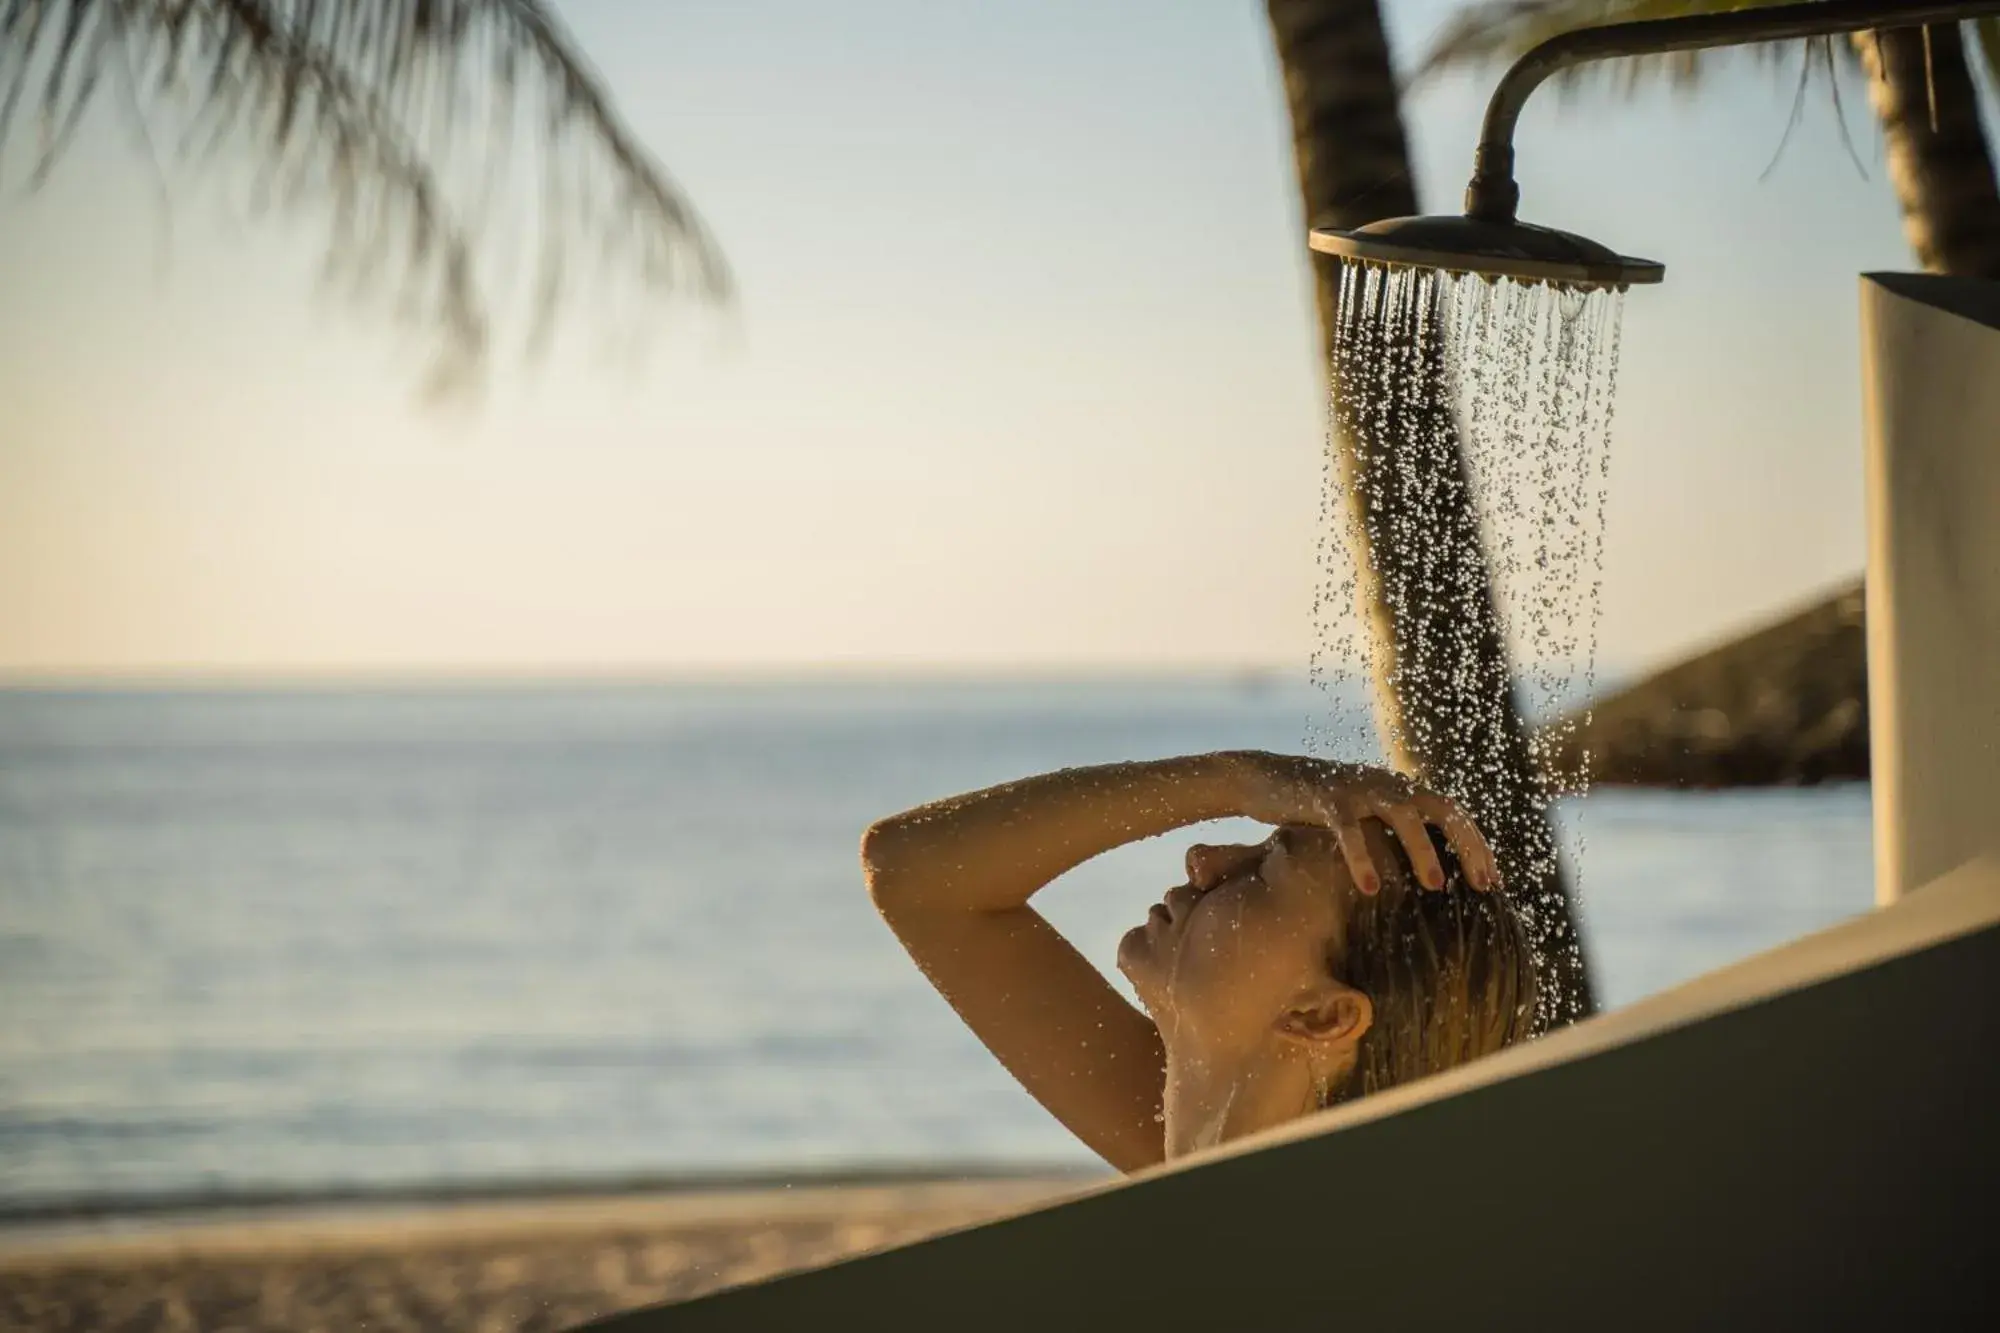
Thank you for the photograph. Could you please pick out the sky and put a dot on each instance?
(1020, 376)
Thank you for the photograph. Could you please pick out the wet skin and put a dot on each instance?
(1243, 1016)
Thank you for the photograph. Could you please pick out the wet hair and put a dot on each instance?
(1450, 975)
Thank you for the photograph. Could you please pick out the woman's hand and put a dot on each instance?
(1292, 789)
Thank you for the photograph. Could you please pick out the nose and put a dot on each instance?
(1208, 865)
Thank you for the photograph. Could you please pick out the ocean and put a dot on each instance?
(290, 941)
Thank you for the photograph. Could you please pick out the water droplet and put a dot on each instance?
(1469, 444)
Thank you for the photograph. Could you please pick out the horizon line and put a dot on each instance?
(170, 679)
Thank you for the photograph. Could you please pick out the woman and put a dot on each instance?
(1349, 951)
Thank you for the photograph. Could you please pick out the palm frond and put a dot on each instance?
(1497, 31)
(364, 110)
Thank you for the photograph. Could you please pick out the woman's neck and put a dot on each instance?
(1211, 1100)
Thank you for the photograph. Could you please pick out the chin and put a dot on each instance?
(1134, 946)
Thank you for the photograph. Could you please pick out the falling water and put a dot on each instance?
(1479, 410)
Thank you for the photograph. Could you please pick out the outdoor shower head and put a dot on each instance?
(1490, 248)
(1489, 241)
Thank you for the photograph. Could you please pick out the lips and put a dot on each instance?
(1178, 902)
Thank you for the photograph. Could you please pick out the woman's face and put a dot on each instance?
(1221, 958)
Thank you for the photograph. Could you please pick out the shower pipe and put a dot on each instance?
(1493, 195)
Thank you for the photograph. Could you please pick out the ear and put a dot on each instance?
(1327, 1016)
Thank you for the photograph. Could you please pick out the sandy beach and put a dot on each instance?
(477, 1267)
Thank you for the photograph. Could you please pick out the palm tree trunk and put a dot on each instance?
(1432, 611)
(1944, 176)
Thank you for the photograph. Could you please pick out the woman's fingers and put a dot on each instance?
(1338, 798)
(1403, 818)
(1464, 837)
(1346, 826)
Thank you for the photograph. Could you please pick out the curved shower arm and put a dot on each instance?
(1493, 195)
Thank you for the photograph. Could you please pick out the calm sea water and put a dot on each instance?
(269, 940)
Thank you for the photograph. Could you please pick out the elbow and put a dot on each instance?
(878, 866)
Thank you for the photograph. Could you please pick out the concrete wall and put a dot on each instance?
(1806, 1140)
(1931, 363)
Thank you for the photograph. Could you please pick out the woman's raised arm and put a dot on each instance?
(991, 850)
(953, 880)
